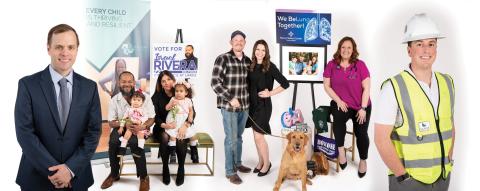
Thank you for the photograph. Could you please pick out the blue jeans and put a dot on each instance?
(233, 125)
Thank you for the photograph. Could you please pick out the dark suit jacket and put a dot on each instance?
(37, 125)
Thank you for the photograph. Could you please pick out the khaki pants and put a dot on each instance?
(414, 185)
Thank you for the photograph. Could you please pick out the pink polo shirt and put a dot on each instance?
(347, 84)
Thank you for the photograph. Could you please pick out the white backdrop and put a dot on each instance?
(377, 27)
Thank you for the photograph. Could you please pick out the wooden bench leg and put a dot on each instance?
(338, 165)
(211, 169)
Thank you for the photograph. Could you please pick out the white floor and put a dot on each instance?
(344, 180)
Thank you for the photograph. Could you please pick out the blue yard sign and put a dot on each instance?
(325, 145)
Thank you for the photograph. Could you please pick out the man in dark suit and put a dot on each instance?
(57, 120)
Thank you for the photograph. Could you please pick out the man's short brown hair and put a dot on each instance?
(61, 28)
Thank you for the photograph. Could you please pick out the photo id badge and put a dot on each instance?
(424, 126)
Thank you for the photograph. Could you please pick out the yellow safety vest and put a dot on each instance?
(421, 140)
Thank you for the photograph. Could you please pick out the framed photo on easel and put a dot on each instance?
(303, 63)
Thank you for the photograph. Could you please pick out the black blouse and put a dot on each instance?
(160, 100)
(260, 81)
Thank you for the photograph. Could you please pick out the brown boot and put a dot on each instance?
(144, 184)
(109, 181)
(243, 169)
(234, 179)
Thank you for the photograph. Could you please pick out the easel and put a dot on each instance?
(179, 37)
(295, 84)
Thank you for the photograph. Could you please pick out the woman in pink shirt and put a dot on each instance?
(347, 82)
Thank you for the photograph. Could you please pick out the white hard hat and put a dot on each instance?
(421, 27)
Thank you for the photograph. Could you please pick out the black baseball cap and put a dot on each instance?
(237, 32)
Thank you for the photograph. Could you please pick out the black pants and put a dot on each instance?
(138, 155)
(181, 150)
(340, 119)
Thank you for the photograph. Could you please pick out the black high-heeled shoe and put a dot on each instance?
(361, 174)
(260, 174)
(344, 165)
(256, 170)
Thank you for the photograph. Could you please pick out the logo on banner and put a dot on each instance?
(127, 49)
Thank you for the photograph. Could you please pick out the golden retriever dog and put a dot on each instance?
(294, 161)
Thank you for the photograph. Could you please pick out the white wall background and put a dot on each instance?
(377, 27)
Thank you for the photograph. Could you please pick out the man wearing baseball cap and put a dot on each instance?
(414, 126)
(229, 82)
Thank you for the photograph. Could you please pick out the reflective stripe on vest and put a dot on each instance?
(417, 139)
(423, 163)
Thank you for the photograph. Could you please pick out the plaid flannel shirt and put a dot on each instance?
(229, 80)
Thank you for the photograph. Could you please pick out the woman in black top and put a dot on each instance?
(261, 75)
(164, 91)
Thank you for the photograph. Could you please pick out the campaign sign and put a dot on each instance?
(303, 27)
(178, 58)
(172, 57)
(325, 145)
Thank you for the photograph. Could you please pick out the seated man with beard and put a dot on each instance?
(118, 106)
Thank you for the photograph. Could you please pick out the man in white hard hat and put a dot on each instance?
(414, 129)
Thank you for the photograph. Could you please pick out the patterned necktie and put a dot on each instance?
(64, 102)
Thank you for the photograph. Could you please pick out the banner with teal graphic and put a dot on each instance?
(116, 38)
(117, 28)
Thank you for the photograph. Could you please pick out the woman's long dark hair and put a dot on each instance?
(338, 57)
(158, 86)
(266, 60)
